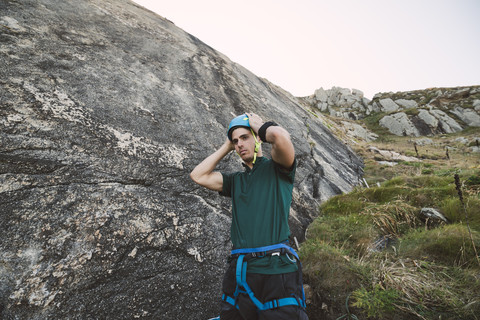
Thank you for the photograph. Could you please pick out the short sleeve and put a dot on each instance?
(287, 174)
(227, 185)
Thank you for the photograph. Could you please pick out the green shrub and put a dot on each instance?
(376, 302)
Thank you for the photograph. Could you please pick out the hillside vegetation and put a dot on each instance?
(374, 254)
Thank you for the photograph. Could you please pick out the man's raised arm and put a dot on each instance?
(203, 173)
(283, 152)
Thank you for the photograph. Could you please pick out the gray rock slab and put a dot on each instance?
(407, 103)
(469, 116)
(388, 105)
(105, 109)
(447, 123)
(357, 131)
(399, 124)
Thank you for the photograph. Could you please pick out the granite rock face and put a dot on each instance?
(105, 109)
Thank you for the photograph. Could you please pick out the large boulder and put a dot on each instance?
(105, 109)
(388, 105)
(469, 116)
(399, 124)
(446, 124)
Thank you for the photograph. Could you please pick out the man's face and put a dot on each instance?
(244, 143)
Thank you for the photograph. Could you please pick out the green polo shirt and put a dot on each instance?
(261, 199)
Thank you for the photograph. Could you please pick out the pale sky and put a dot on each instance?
(370, 45)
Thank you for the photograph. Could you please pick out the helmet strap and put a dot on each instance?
(257, 146)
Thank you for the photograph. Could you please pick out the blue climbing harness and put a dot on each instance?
(241, 277)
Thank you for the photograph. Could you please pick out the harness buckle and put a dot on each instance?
(275, 254)
(275, 304)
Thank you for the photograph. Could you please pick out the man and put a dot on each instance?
(263, 279)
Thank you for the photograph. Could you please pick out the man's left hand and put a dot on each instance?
(255, 121)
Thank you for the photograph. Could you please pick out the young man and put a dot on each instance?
(263, 280)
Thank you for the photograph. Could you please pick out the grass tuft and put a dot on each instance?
(449, 245)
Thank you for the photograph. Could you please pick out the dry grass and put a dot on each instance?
(426, 288)
(394, 219)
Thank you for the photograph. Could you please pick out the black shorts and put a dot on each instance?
(266, 287)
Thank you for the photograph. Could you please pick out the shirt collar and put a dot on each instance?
(259, 160)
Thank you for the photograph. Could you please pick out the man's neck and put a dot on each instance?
(250, 164)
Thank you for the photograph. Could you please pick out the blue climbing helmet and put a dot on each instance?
(240, 121)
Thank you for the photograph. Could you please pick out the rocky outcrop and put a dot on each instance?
(399, 124)
(340, 102)
(432, 111)
(414, 113)
(105, 109)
